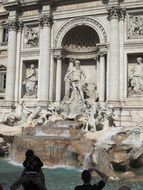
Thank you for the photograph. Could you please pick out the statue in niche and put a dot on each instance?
(76, 81)
(31, 37)
(30, 82)
(73, 103)
(136, 78)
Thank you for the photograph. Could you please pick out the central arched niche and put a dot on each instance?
(80, 39)
(80, 43)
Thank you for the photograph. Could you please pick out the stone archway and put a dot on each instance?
(80, 43)
(78, 39)
(87, 21)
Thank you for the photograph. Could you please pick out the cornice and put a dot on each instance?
(4, 13)
(14, 5)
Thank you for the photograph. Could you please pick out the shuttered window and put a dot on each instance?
(2, 82)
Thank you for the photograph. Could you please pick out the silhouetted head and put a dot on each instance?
(86, 176)
(124, 187)
(29, 153)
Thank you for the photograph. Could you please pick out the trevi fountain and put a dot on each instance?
(71, 89)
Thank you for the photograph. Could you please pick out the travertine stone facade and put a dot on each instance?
(105, 35)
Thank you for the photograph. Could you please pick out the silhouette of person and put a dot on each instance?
(1, 187)
(86, 177)
(32, 172)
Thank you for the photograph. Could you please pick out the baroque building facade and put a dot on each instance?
(38, 38)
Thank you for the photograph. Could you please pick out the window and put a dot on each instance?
(2, 81)
(5, 34)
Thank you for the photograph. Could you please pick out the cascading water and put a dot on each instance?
(52, 150)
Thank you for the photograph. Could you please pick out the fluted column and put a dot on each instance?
(114, 14)
(1, 33)
(52, 72)
(121, 42)
(17, 76)
(102, 78)
(11, 61)
(58, 78)
(45, 52)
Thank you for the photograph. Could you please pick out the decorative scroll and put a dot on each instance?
(13, 25)
(135, 26)
(116, 12)
(46, 20)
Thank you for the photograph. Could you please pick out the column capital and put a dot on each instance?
(116, 12)
(20, 26)
(58, 57)
(57, 54)
(45, 20)
(101, 51)
(13, 26)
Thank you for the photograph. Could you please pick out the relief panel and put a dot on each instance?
(31, 36)
(135, 26)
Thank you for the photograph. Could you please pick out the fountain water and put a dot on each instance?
(65, 134)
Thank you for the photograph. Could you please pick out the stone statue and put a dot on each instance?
(73, 104)
(99, 117)
(35, 116)
(111, 117)
(67, 79)
(31, 81)
(76, 77)
(136, 78)
(15, 116)
(31, 37)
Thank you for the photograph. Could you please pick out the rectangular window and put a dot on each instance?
(2, 82)
(5, 34)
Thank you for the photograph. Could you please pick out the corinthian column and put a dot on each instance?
(45, 51)
(11, 61)
(114, 14)
(17, 75)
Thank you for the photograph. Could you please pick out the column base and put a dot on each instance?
(116, 103)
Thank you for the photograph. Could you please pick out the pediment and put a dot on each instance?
(2, 67)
